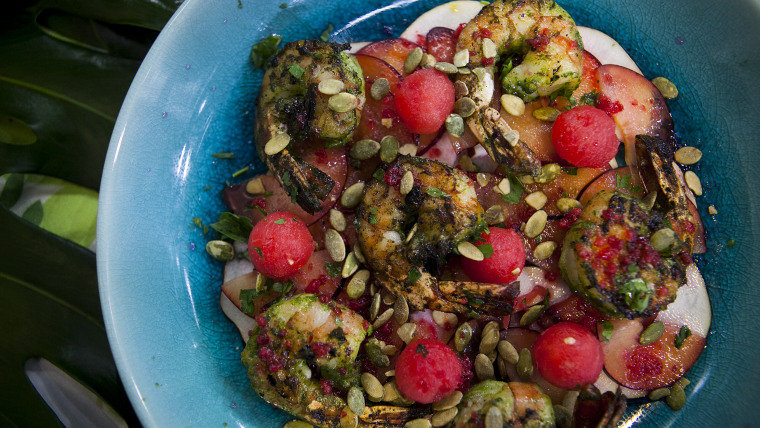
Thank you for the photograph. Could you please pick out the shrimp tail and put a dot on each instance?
(307, 185)
(504, 147)
(478, 297)
(391, 416)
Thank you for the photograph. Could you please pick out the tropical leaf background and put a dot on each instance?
(65, 69)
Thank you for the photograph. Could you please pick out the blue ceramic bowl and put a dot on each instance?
(178, 355)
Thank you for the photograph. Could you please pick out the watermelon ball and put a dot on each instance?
(504, 264)
(424, 99)
(427, 370)
(279, 245)
(568, 356)
(585, 137)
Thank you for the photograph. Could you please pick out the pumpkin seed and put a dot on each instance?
(406, 332)
(357, 284)
(483, 367)
(350, 266)
(536, 200)
(507, 351)
(376, 354)
(544, 250)
(391, 391)
(389, 350)
(355, 400)
(337, 220)
(480, 73)
(461, 58)
(532, 315)
(563, 417)
(464, 70)
(408, 149)
(482, 178)
(374, 308)
(467, 249)
(494, 215)
(536, 224)
(466, 163)
(658, 394)
(353, 195)
(380, 89)
(462, 336)
(330, 86)
(465, 107)
(255, 186)
(494, 418)
(460, 89)
(652, 333)
(442, 418)
(513, 104)
(359, 255)
(650, 199)
(401, 309)
(446, 67)
(411, 233)
(364, 149)
(388, 148)
(407, 183)
(693, 182)
(298, 424)
(277, 144)
(677, 397)
(390, 373)
(488, 341)
(418, 423)
(526, 179)
(664, 240)
(220, 250)
(547, 114)
(666, 87)
(389, 299)
(448, 402)
(348, 419)
(455, 125)
(413, 60)
(383, 318)
(503, 367)
(334, 245)
(688, 155)
(683, 382)
(428, 61)
(342, 102)
(712, 210)
(372, 386)
(549, 172)
(565, 205)
(504, 187)
(386, 122)
(524, 364)
(445, 320)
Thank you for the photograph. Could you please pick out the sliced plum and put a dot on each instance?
(450, 14)
(441, 42)
(393, 51)
(314, 277)
(651, 366)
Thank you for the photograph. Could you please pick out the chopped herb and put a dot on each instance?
(607, 329)
(473, 314)
(333, 269)
(247, 298)
(589, 98)
(682, 335)
(516, 189)
(421, 349)
(258, 251)
(286, 178)
(414, 274)
(198, 222)
(622, 181)
(570, 170)
(337, 332)
(379, 174)
(206, 187)
(264, 50)
(280, 221)
(296, 70)
(325, 37)
(240, 171)
(261, 210)
(373, 215)
(636, 294)
(633, 268)
(233, 226)
(283, 287)
(335, 143)
(486, 249)
(436, 192)
(223, 155)
(472, 300)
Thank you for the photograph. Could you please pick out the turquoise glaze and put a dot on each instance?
(193, 96)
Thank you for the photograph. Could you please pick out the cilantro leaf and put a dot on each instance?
(682, 335)
(296, 70)
(414, 274)
(333, 269)
(486, 249)
(264, 50)
(607, 329)
(233, 226)
(279, 221)
(247, 298)
(379, 174)
(436, 192)
(516, 189)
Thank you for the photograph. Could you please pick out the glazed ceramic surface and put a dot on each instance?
(194, 95)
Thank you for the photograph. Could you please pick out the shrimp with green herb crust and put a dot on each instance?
(311, 89)
(539, 51)
(510, 403)
(627, 257)
(302, 359)
(408, 222)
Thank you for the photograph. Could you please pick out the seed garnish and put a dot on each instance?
(652, 333)
(277, 144)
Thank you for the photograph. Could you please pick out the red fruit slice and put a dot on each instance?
(585, 136)
(651, 366)
(568, 355)
(441, 43)
(375, 68)
(523, 338)
(635, 104)
(427, 370)
(424, 99)
(313, 277)
(392, 51)
(576, 310)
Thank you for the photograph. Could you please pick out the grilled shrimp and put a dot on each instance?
(291, 108)
(513, 403)
(304, 342)
(405, 236)
(624, 257)
(540, 52)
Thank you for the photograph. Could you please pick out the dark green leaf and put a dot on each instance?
(436, 192)
(414, 274)
(34, 213)
(333, 269)
(14, 185)
(296, 70)
(486, 249)
(516, 190)
(233, 226)
(682, 335)
(264, 50)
